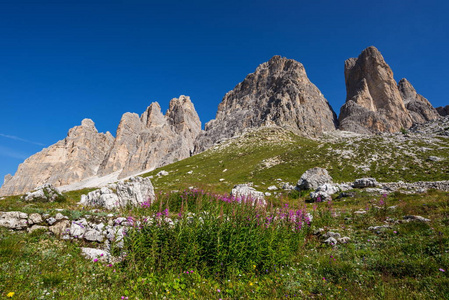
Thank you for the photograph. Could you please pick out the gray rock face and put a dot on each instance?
(142, 143)
(436, 127)
(245, 192)
(365, 182)
(313, 178)
(73, 159)
(135, 191)
(277, 93)
(92, 254)
(46, 192)
(14, 220)
(419, 107)
(103, 197)
(324, 192)
(154, 139)
(442, 110)
(373, 101)
(8, 177)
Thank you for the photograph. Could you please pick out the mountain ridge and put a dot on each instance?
(277, 94)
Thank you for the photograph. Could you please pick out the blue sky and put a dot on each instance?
(62, 61)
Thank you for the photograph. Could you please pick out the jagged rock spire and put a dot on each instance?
(277, 93)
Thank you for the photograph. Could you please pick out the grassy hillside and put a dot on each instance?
(268, 154)
(217, 248)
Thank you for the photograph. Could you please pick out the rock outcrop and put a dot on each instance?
(313, 178)
(45, 193)
(442, 110)
(373, 101)
(277, 93)
(134, 192)
(419, 107)
(153, 139)
(142, 143)
(244, 192)
(73, 159)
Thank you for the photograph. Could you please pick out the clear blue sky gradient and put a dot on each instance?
(62, 61)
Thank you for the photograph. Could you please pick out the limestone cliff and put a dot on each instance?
(154, 139)
(277, 93)
(375, 102)
(72, 159)
(419, 107)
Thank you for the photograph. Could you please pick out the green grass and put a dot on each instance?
(238, 258)
(402, 262)
(244, 160)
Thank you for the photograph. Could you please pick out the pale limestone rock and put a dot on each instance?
(373, 101)
(60, 227)
(92, 254)
(46, 192)
(247, 193)
(37, 227)
(8, 177)
(76, 157)
(92, 235)
(277, 93)
(77, 229)
(103, 197)
(419, 107)
(14, 220)
(154, 139)
(35, 219)
(313, 178)
(365, 182)
(134, 192)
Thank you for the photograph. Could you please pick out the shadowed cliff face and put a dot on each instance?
(374, 102)
(443, 110)
(277, 93)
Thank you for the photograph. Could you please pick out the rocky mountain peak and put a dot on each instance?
(88, 123)
(277, 93)
(153, 139)
(407, 90)
(443, 110)
(153, 116)
(419, 107)
(375, 102)
(72, 159)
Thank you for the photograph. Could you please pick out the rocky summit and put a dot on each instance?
(277, 93)
(72, 159)
(374, 102)
(153, 139)
(418, 107)
(443, 110)
(141, 143)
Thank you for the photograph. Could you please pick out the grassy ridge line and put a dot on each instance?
(264, 155)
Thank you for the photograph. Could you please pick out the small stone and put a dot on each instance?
(92, 254)
(416, 218)
(330, 241)
(343, 240)
(35, 218)
(51, 221)
(37, 227)
(365, 182)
